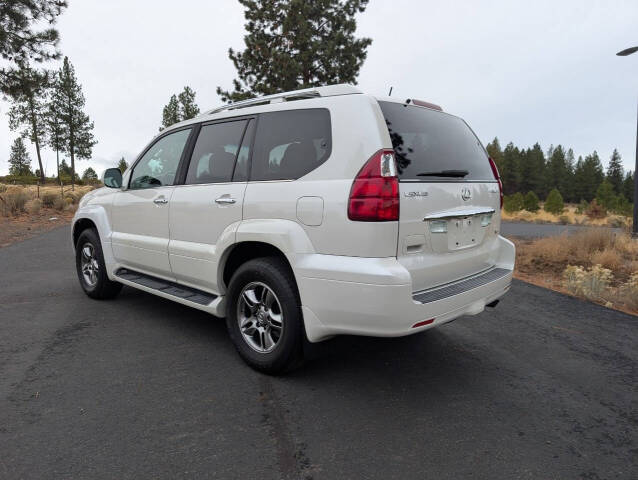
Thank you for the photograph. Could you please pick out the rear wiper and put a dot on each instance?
(445, 173)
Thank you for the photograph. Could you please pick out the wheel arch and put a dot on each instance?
(80, 225)
(242, 252)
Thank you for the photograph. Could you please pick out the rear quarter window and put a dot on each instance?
(426, 141)
(290, 144)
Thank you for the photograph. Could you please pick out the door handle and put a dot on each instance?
(160, 201)
(225, 200)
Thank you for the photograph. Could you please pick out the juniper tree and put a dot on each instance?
(26, 92)
(615, 172)
(27, 34)
(19, 160)
(292, 44)
(76, 132)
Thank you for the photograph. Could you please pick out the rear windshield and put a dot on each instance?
(434, 146)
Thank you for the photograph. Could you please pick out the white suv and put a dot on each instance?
(304, 215)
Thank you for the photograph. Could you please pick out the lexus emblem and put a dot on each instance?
(466, 193)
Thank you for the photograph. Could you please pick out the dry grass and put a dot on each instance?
(568, 216)
(16, 200)
(596, 264)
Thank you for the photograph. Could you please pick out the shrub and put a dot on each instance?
(590, 283)
(531, 202)
(3, 188)
(622, 206)
(59, 203)
(13, 201)
(582, 207)
(513, 203)
(554, 203)
(34, 206)
(595, 210)
(631, 290)
(48, 198)
(563, 219)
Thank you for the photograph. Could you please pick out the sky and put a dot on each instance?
(525, 72)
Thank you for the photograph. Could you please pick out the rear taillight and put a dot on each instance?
(374, 196)
(497, 176)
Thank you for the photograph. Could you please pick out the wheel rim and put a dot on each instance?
(260, 317)
(89, 264)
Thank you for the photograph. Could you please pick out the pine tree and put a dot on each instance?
(554, 203)
(76, 135)
(179, 108)
(54, 133)
(615, 172)
(532, 170)
(605, 195)
(530, 202)
(19, 160)
(187, 107)
(588, 176)
(170, 114)
(509, 169)
(89, 174)
(21, 41)
(495, 152)
(27, 93)
(292, 44)
(122, 165)
(558, 171)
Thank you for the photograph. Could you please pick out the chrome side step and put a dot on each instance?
(462, 286)
(164, 286)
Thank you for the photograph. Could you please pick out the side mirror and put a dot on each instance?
(112, 178)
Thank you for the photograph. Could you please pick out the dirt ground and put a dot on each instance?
(16, 229)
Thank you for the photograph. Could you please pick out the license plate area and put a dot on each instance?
(458, 230)
(462, 232)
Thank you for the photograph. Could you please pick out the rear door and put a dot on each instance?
(449, 197)
(206, 210)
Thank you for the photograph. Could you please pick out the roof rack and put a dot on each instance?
(306, 93)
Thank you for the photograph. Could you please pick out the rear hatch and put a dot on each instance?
(449, 196)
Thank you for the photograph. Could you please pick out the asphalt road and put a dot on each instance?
(537, 230)
(542, 387)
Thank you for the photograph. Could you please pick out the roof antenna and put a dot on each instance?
(390, 92)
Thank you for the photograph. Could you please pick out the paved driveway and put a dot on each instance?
(544, 386)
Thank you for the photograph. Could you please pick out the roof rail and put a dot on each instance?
(306, 93)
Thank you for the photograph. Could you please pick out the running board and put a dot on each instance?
(449, 290)
(167, 287)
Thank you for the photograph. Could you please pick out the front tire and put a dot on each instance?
(89, 262)
(264, 317)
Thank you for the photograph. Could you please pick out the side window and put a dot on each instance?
(241, 168)
(213, 158)
(290, 144)
(158, 166)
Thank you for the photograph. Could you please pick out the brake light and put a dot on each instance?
(374, 196)
(497, 176)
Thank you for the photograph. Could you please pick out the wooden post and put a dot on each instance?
(38, 188)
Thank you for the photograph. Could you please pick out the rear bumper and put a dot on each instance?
(372, 296)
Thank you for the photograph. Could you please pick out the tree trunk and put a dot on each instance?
(57, 161)
(34, 131)
(72, 168)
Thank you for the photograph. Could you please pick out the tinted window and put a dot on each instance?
(159, 164)
(290, 144)
(241, 166)
(213, 158)
(426, 141)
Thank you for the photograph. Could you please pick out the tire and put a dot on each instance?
(265, 285)
(91, 269)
